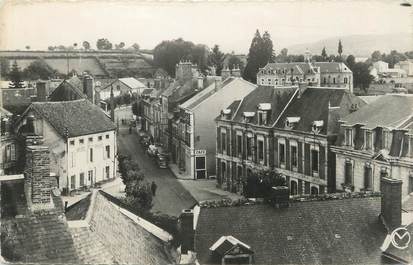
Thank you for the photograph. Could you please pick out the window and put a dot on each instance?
(260, 150)
(384, 172)
(345, 80)
(100, 137)
(73, 182)
(91, 155)
(107, 136)
(348, 172)
(262, 81)
(239, 145)
(281, 149)
(368, 140)
(249, 146)
(314, 191)
(118, 87)
(385, 139)
(81, 141)
(223, 142)
(262, 117)
(90, 176)
(314, 160)
(107, 149)
(10, 153)
(293, 188)
(107, 172)
(3, 126)
(334, 80)
(348, 137)
(82, 179)
(367, 177)
(90, 139)
(72, 142)
(294, 156)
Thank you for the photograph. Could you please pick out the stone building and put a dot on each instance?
(193, 128)
(324, 74)
(376, 142)
(285, 129)
(81, 138)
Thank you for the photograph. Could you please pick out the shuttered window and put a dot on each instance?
(368, 178)
(348, 168)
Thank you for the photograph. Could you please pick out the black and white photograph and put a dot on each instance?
(195, 132)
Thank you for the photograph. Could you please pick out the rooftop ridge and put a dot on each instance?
(294, 199)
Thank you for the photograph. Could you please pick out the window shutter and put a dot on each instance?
(276, 152)
(265, 150)
(307, 159)
(300, 157)
(287, 155)
(218, 139)
(254, 149)
(322, 161)
(228, 135)
(233, 143)
(300, 186)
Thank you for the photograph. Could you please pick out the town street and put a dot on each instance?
(171, 197)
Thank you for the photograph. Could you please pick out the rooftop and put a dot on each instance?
(300, 234)
(73, 118)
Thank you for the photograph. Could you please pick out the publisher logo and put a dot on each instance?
(400, 238)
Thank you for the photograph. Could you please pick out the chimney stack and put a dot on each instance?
(225, 73)
(41, 88)
(88, 88)
(186, 220)
(236, 72)
(37, 178)
(391, 202)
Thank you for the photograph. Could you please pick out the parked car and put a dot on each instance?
(162, 158)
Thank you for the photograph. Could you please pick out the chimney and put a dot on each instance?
(236, 72)
(41, 91)
(88, 88)
(225, 73)
(391, 202)
(37, 180)
(186, 220)
(200, 83)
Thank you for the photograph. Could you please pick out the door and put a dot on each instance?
(200, 167)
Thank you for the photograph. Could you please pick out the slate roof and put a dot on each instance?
(132, 82)
(79, 117)
(277, 97)
(69, 89)
(391, 111)
(313, 105)
(332, 67)
(346, 231)
(114, 235)
(298, 68)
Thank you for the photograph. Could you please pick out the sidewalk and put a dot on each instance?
(202, 189)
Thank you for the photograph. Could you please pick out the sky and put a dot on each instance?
(231, 24)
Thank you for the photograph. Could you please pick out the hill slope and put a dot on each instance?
(358, 45)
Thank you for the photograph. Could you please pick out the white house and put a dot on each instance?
(122, 86)
(81, 138)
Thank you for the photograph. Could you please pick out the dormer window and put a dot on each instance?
(348, 135)
(291, 122)
(317, 126)
(263, 109)
(368, 139)
(248, 116)
(226, 113)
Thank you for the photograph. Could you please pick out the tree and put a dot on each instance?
(361, 75)
(4, 67)
(86, 45)
(38, 69)
(284, 52)
(136, 46)
(121, 45)
(15, 76)
(324, 54)
(103, 44)
(376, 56)
(393, 58)
(27, 47)
(350, 61)
(216, 59)
(168, 53)
(260, 53)
(340, 48)
(51, 48)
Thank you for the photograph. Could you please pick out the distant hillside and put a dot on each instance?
(98, 63)
(358, 45)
